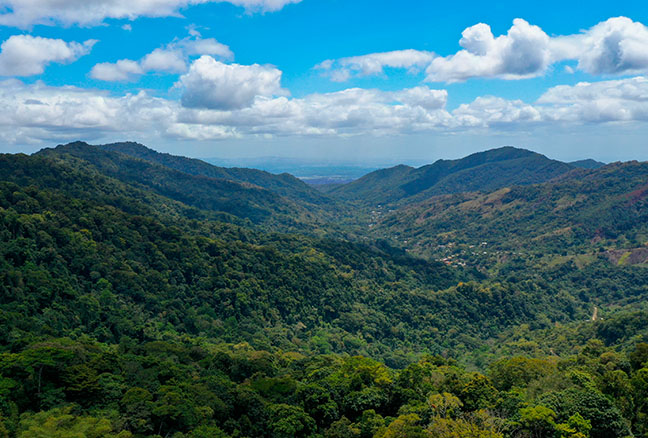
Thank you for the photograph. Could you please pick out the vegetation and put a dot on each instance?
(145, 295)
(484, 171)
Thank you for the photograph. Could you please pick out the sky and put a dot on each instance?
(372, 82)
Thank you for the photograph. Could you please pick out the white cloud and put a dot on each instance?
(171, 59)
(617, 46)
(26, 13)
(214, 85)
(122, 70)
(164, 60)
(375, 63)
(523, 52)
(490, 111)
(262, 5)
(26, 55)
(36, 112)
(33, 113)
(343, 113)
(606, 101)
(207, 46)
(423, 97)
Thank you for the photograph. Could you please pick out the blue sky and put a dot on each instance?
(379, 82)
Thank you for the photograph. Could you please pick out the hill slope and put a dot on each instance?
(80, 250)
(582, 211)
(484, 171)
(243, 200)
(284, 184)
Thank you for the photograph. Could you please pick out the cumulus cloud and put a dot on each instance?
(35, 112)
(171, 59)
(262, 5)
(617, 46)
(523, 52)
(214, 85)
(490, 111)
(375, 63)
(26, 55)
(164, 60)
(605, 101)
(206, 46)
(122, 70)
(26, 13)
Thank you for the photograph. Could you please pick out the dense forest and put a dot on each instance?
(147, 295)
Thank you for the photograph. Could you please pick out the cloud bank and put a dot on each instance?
(221, 101)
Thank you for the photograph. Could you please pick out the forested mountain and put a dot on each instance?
(484, 171)
(243, 200)
(285, 184)
(142, 295)
(583, 211)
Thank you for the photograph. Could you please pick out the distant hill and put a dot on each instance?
(582, 211)
(587, 164)
(379, 186)
(240, 199)
(484, 171)
(284, 184)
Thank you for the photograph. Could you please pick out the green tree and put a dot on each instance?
(539, 421)
(62, 423)
(405, 426)
(576, 427)
(290, 421)
(478, 393)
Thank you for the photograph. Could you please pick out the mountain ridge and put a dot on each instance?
(283, 184)
(244, 200)
(481, 171)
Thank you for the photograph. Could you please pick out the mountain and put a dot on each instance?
(240, 199)
(587, 164)
(73, 238)
(375, 185)
(284, 184)
(583, 211)
(484, 171)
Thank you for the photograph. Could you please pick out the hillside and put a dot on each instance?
(484, 171)
(284, 184)
(583, 211)
(73, 238)
(381, 300)
(243, 200)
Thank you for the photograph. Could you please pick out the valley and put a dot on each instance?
(150, 295)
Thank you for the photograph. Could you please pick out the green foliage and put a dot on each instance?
(63, 423)
(484, 171)
(138, 298)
